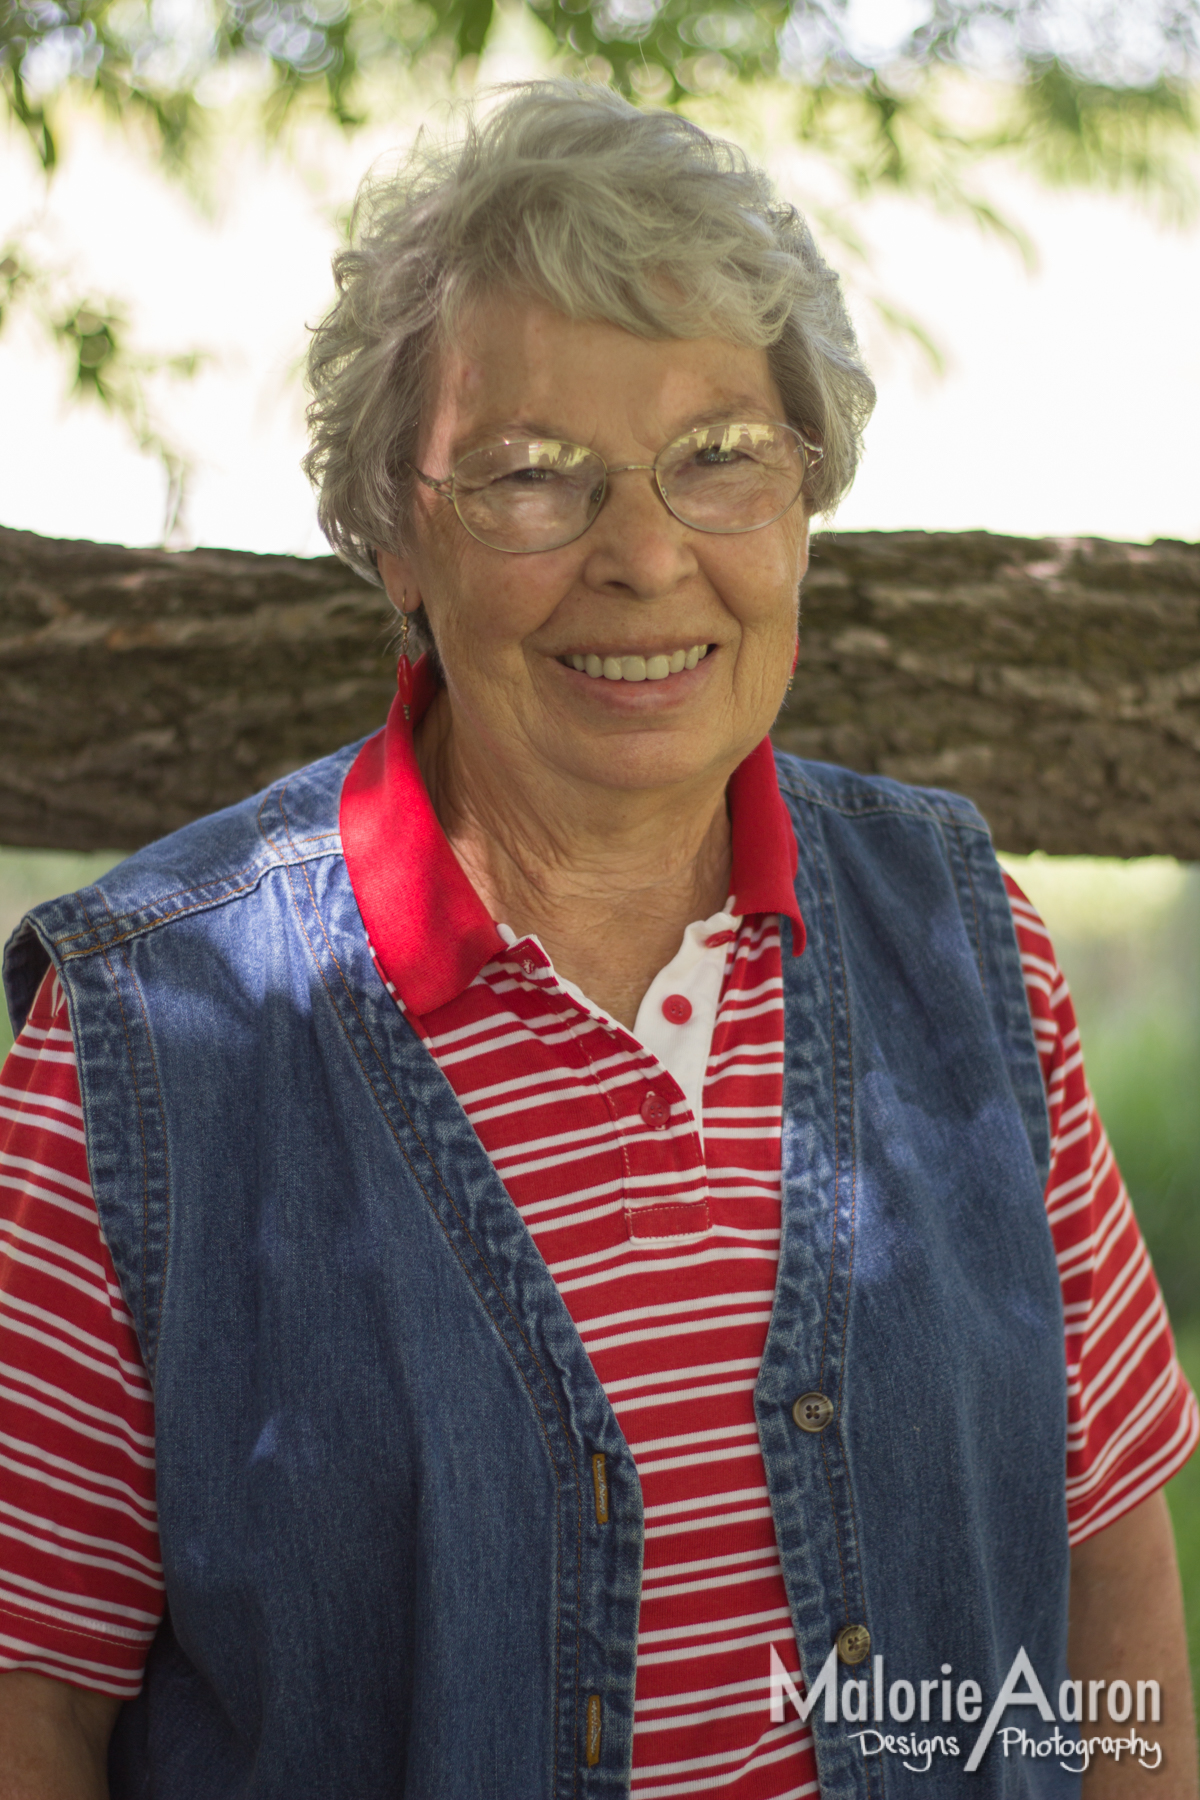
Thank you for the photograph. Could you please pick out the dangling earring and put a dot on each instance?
(404, 674)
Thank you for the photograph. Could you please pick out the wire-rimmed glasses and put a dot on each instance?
(522, 495)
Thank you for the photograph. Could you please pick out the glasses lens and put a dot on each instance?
(734, 477)
(535, 494)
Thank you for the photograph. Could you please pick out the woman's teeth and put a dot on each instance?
(638, 668)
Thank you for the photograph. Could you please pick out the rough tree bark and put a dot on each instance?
(1055, 681)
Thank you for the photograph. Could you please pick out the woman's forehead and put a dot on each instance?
(517, 365)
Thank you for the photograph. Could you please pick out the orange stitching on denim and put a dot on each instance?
(466, 1272)
(453, 1247)
(165, 918)
(837, 1144)
(583, 1066)
(161, 901)
(201, 888)
(837, 1188)
(833, 1254)
(853, 1242)
(932, 813)
(962, 850)
(499, 1291)
(837, 1536)
(137, 930)
(266, 837)
(400, 1102)
(141, 1134)
(162, 1294)
(853, 1158)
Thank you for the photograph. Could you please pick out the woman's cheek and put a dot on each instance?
(762, 590)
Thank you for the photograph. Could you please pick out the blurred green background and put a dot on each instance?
(1128, 940)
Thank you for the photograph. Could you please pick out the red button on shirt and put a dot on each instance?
(677, 1009)
(655, 1110)
(718, 938)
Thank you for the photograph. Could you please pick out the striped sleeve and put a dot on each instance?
(1132, 1419)
(80, 1579)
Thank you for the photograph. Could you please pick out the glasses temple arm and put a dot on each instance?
(444, 488)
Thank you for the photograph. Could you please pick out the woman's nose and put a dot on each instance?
(635, 543)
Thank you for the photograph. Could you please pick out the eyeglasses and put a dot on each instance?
(522, 495)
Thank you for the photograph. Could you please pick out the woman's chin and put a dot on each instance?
(650, 754)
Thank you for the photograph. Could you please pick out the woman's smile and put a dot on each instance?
(622, 665)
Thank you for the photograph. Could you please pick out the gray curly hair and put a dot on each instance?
(569, 194)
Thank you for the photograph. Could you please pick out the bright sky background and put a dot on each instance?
(1069, 404)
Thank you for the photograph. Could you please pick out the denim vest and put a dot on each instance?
(375, 1419)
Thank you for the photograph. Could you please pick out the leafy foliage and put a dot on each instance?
(1137, 998)
(1092, 92)
(1100, 92)
(1183, 1496)
(103, 366)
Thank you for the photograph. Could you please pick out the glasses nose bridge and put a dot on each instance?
(649, 468)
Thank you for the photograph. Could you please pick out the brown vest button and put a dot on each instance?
(853, 1644)
(812, 1412)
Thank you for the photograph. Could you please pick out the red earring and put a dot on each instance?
(404, 674)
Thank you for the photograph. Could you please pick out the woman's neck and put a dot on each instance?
(607, 881)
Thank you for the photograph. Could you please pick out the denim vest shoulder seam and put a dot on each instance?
(140, 924)
(935, 805)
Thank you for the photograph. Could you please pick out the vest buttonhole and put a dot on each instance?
(593, 1730)
(600, 1483)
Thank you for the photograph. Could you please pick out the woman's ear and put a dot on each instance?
(398, 581)
(803, 546)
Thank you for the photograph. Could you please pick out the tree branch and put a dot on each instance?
(1055, 681)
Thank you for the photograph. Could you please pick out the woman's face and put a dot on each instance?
(637, 583)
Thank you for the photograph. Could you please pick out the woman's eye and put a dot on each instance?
(530, 477)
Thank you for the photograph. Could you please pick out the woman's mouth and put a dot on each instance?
(634, 667)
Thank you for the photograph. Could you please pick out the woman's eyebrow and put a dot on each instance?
(533, 429)
(730, 408)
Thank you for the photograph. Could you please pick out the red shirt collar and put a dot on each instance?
(428, 926)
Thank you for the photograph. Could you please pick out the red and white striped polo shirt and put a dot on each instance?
(646, 1166)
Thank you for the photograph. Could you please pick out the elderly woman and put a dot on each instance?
(575, 1210)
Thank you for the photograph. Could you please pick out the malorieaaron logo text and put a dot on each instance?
(871, 1704)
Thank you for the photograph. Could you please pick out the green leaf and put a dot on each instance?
(474, 23)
